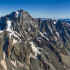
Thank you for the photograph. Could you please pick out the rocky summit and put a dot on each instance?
(27, 43)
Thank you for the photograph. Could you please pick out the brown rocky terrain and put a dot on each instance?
(34, 44)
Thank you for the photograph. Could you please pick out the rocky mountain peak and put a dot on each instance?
(33, 44)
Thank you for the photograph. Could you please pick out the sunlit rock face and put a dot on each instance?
(33, 44)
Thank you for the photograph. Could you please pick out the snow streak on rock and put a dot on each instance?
(14, 63)
(44, 36)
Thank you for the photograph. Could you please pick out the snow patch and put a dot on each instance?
(25, 42)
(1, 31)
(8, 25)
(29, 29)
(54, 22)
(34, 49)
(17, 14)
(28, 39)
(35, 25)
(14, 41)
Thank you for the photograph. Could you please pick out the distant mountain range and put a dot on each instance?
(67, 20)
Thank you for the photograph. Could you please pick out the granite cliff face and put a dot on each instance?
(33, 44)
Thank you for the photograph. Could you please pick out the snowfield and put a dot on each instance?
(12, 33)
(8, 24)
